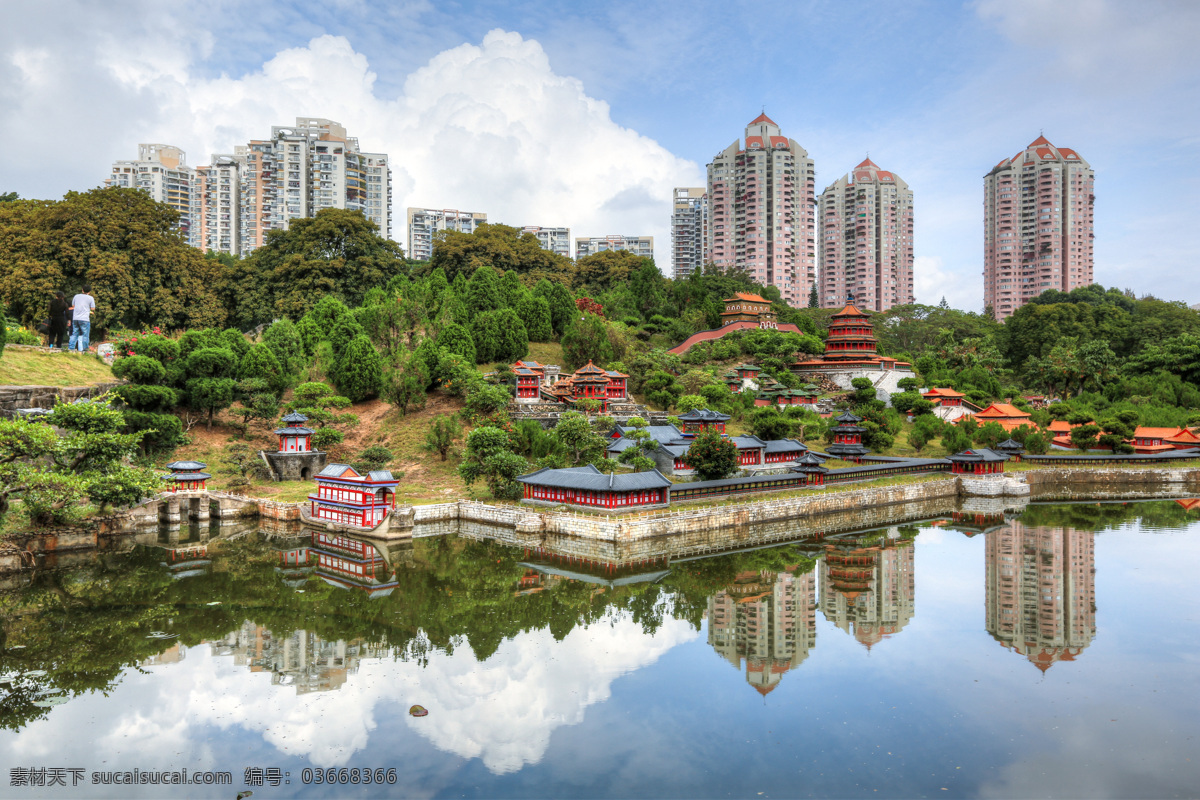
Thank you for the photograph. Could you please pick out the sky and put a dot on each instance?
(586, 115)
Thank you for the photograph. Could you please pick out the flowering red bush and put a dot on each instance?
(589, 305)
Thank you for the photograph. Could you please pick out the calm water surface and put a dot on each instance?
(1051, 654)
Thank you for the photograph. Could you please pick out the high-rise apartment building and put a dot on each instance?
(556, 240)
(295, 173)
(423, 223)
(689, 231)
(762, 215)
(217, 206)
(1037, 224)
(162, 172)
(868, 589)
(866, 225)
(590, 245)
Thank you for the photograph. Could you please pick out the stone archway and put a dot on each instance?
(306, 473)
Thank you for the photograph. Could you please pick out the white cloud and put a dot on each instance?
(503, 710)
(932, 281)
(488, 127)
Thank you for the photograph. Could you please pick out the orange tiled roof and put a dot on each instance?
(1184, 435)
(1153, 433)
(1060, 426)
(850, 311)
(748, 298)
(1153, 448)
(943, 392)
(1002, 410)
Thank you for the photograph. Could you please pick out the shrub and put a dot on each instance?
(160, 348)
(194, 340)
(285, 342)
(139, 369)
(144, 397)
(712, 456)
(163, 431)
(211, 362)
(441, 435)
(324, 438)
(235, 341)
(259, 363)
(375, 457)
(360, 372)
(455, 339)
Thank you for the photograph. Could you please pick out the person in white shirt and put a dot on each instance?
(82, 306)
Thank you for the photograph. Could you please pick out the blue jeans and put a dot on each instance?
(80, 328)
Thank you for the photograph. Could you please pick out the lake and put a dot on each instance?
(1050, 653)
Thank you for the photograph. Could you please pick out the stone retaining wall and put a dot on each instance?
(14, 397)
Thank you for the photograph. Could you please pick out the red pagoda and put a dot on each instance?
(851, 345)
(188, 476)
(295, 438)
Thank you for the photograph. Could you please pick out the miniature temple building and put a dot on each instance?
(699, 420)
(733, 381)
(295, 438)
(529, 384)
(295, 460)
(847, 438)
(1163, 440)
(980, 461)
(1010, 448)
(751, 450)
(943, 397)
(811, 467)
(851, 341)
(589, 382)
(1005, 415)
(346, 497)
(747, 371)
(589, 487)
(783, 450)
(188, 476)
(1184, 439)
(749, 308)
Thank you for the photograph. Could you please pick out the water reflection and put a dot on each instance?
(1041, 591)
(507, 646)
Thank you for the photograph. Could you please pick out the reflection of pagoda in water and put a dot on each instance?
(768, 619)
(1041, 591)
(302, 659)
(346, 562)
(867, 586)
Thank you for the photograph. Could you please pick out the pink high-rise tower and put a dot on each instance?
(762, 213)
(1037, 226)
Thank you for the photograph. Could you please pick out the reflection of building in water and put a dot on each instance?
(867, 586)
(1041, 591)
(768, 619)
(302, 659)
(350, 563)
(171, 655)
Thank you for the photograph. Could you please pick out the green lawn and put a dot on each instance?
(35, 368)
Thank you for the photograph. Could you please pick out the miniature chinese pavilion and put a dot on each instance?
(592, 383)
(980, 461)
(850, 349)
(295, 460)
(295, 438)
(187, 476)
(749, 308)
(344, 496)
(847, 438)
(811, 467)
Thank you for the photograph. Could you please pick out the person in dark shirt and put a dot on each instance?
(57, 332)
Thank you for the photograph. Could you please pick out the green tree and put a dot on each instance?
(405, 382)
(325, 315)
(512, 342)
(260, 362)
(1084, 437)
(360, 370)
(637, 454)
(606, 270)
(440, 436)
(81, 454)
(455, 339)
(338, 252)
(501, 247)
(990, 435)
(768, 423)
(535, 311)
(586, 339)
(690, 402)
(712, 456)
(955, 439)
(320, 404)
(582, 444)
(122, 243)
(488, 456)
(483, 291)
(562, 304)
(1037, 443)
(485, 333)
(662, 389)
(284, 339)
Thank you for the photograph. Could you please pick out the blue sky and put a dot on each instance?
(586, 115)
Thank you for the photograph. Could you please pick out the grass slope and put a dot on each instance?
(35, 368)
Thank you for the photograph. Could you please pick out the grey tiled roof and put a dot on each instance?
(748, 442)
(659, 433)
(380, 475)
(591, 479)
(187, 466)
(294, 416)
(188, 476)
(704, 415)
(979, 454)
(334, 470)
(292, 431)
(785, 446)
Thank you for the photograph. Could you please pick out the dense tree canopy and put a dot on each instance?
(120, 242)
(500, 246)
